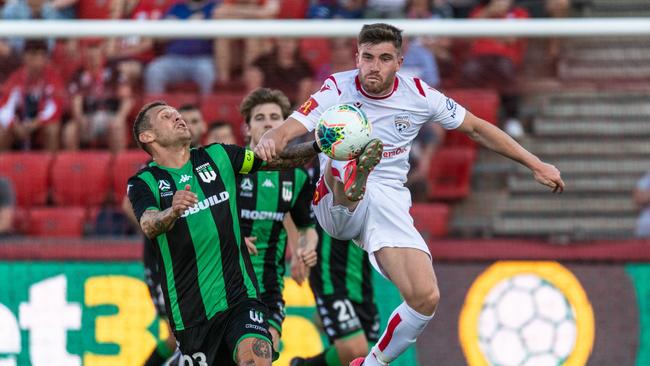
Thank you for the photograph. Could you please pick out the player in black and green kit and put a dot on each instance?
(265, 199)
(185, 203)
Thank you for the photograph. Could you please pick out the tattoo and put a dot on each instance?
(292, 157)
(154, 223)
(262, 348)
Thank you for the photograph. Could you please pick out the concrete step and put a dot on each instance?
(564, 128)
(606, 106)
(525, 184)
(562, 206)
(632, 53)
(598, 166)
(588, 147)
(605, 71)
(582, 227)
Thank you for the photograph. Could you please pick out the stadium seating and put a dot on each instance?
(431, 219)
(123, 167)
(450, 173)
(175, 100)
(293, 9)
(224, 107)
(29, 174)
(80, 178)
(316, 51)
(94, 9)
(483, 103)
(56, 222)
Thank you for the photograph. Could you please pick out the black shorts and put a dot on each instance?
(215, 342)
(152, 278)
(342, 317)
(277, 312)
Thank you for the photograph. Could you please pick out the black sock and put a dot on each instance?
(155, 359)
(318, 360)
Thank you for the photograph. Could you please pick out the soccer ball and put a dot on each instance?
(342, 132)
(526, 321)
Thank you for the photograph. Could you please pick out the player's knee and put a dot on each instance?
(424, 300)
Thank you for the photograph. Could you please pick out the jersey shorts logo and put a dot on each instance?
(287, 191)
(308, 106)
(402, 122)
(256, 316)
(165, 188)
(185, 178)
(206, 173)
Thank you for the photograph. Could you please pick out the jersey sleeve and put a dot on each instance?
(443, 109)
(243, 160)
(310, 111)
(141, 197)
(301, 212)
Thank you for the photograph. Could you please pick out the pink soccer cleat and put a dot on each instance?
(357, 171)
(357, 361)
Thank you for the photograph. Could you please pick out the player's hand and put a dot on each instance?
(250, 244)
(183, 200)
(299, 271)
(549, 175)
(307, 256)
(265, 148)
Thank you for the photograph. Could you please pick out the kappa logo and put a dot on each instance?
(256, 316)
(268, 184)
(402, 122)
(163, 185)
(287, 191)
(206, 173)
(185, 178)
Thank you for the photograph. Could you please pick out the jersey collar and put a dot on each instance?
(360, 89)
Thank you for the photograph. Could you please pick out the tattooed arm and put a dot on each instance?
(154, 223)
(254, 352)
(292, 156)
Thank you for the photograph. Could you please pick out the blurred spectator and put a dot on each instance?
(494, 62)
(333, 9)
(193, 117)
(9, 60)
(220, 132)
(462, 8)
(101, 103)
(282, 69)
(37, 9)
(422, 151)
(32, 102)
(7, 207)
(429, 9)
(342, 59)
(184, 59)
(385, 9)
(419, 62)
(252, 47)
(641, 197)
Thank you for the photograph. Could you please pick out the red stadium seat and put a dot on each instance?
(293, 9)
(175, 100)
(94, 9)
(316, 51)
(56, 222)
(450, 173)
(80, 178)
(483, 103)
(431, 219)
(29, 172)
(224, 107)
(124, 166)
(21, 220)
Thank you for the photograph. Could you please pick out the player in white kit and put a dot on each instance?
(365, 199)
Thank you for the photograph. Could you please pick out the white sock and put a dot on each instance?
(404, 327)
(338, 169)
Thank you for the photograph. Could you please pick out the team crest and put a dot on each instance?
(402, 122)
(246, 187)
(287, 191)
(165, 188)
(206, 173)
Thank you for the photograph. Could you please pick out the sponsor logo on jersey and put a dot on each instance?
(308, 106)
(402, 122)
(452, 106)
(261, 215)
(268, 184)
(207, 203)
(287, 191)
(256, 316)
(394, 153)
(185, 178)
(206, 172)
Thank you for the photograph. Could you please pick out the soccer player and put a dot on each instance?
(342, 285)
(365, 199)
(185, 203)
(265, 199)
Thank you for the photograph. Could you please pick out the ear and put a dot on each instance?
(247, 130)
(146, 137)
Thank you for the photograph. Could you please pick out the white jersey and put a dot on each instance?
(396, 118)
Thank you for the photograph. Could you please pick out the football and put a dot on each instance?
(342, 132)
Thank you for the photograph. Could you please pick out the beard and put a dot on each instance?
(377, 86)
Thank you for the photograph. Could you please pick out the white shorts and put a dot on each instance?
(381, 219)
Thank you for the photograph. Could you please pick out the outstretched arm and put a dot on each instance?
(275, 139)
(495, 139)
(291, 156)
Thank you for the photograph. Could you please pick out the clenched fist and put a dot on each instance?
(183, 200)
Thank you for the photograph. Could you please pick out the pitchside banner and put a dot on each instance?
(530, 313)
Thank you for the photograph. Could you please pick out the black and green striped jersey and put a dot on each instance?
(204, 265)
(264, 198)
(342, 269)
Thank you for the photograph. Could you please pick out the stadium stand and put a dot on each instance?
(80, 178)
(56, 222)
(29, 172)
(450, 173)
(431, 219)
(123, 167)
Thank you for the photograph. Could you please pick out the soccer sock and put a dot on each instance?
(338, 169)
(159, 355)
(404, 327)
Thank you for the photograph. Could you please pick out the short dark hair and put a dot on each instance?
(35, 45)
(379, 33)
(188, 107)
(143, 123)
(218, 124)
(263, 96)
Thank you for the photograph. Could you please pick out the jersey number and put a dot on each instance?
(345, 309)
(199, 357)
